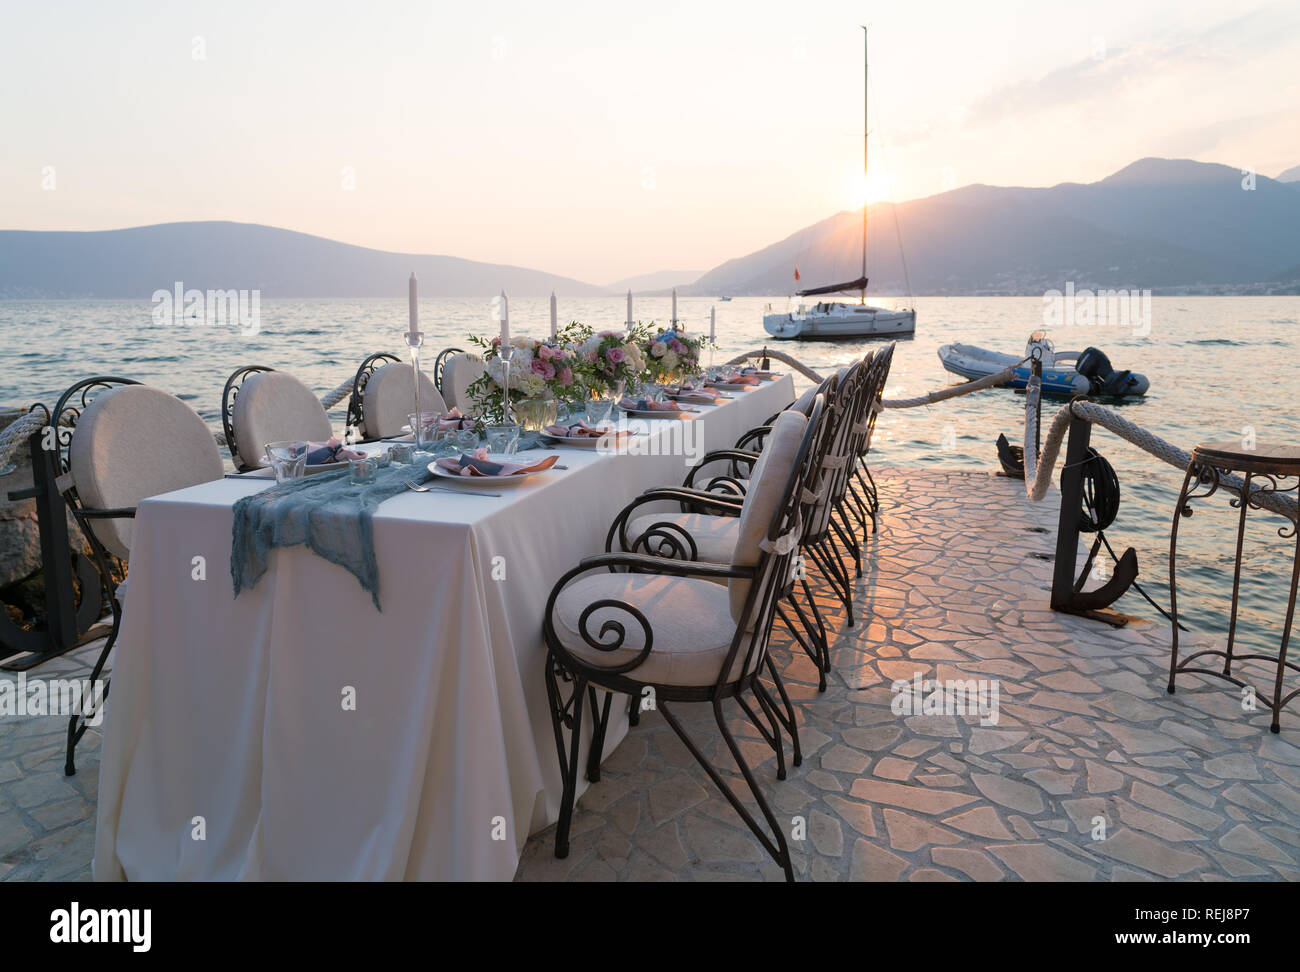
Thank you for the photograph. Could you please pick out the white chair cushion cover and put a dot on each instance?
(804, 402)
(388, 399)
(273, 406)
(458, 373)
(766, 489)
(714, 536)
(133, 442)
(688, 616)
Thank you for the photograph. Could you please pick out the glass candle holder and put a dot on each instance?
(362, 471)
(402, 454)
(502, 439)
(288, 459)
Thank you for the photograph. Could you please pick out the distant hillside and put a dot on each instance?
(1290, 175)
(1158, 223)
(659, 280)
(220, 255)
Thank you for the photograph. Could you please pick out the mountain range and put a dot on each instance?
(1171, 225)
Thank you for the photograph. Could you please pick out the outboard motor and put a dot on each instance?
(1105, 380)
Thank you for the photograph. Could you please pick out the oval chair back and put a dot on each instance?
(440, 364)
(388, 400)
(271, 406)
(459, 371)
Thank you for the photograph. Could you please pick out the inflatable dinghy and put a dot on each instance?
(1068, 373)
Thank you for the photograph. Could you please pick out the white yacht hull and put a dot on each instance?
(855, 321)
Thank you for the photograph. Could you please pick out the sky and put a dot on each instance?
(601, 140)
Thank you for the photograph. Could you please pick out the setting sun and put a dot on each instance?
(873, 188)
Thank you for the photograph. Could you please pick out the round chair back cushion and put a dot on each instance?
(768, 481)
(458, 373)
(273, 406)
(134, 442)
(389, 399)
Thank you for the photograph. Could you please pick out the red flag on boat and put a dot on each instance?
(796, 272)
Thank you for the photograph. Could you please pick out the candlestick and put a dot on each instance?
(554, 317)
(674, 307)
(629, 310)
(505, 319)
(413, 295)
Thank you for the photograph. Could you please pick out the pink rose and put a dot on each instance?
(495, 341)
(676, 345)
(592, 357)
(615, 355)
(543, 368)
(545, 352)
(566, 377)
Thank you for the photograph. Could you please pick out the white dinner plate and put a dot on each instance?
(662, 413)
(441, 473)
(586, 441)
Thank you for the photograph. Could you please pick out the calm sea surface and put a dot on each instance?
(1217, 365)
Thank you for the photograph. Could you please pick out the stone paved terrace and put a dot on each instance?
(956, 586)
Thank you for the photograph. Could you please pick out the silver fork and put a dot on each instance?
(411, 484)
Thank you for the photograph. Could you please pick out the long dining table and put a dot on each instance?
(297, 733)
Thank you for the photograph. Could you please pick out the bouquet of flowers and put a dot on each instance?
(609, 357)
(538, 370)
(671, 354)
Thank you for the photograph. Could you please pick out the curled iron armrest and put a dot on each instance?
(613, 633)
(730, 483)
(669, 538)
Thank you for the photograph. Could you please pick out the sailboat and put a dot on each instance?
(831, 320)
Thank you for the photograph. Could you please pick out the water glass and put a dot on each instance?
(402, 453)
(288, 459)
(465, 440)
(502, 439)
(422, 427)
(362, 471)
(598, 410)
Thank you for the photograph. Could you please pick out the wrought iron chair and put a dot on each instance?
(707, 528)
(126, 442)
(382, 396)
(627, 623)
(440, 363)
(261, 405)
(862, 487)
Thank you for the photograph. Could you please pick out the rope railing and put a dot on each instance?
(1038, 466)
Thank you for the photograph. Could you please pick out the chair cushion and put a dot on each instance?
(458, 373)
(389, 399)
(714, 536)
(273, 406)
(763, 499)
(689, 621)
(133, 442)
(804, 402)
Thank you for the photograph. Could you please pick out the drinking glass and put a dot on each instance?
(402, 453)
(536, 414)
(362, 471)
(288, 459)
(465, 440)
(598, 410)
(502, 439)
(422, 426)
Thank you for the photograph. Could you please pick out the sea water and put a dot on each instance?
(1220, 368)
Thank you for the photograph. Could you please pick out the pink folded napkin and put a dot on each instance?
(480, 465)
(454, 420)
(690, 394)
(741, 378)
(581, 430)
(645, 405)
(323, 453)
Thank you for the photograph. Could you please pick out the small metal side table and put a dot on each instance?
(1265, 470)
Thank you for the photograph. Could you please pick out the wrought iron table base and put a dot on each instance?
(1269, 464)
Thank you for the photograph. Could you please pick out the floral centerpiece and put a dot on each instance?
(538, 370)
(670, 353)
(607, 359)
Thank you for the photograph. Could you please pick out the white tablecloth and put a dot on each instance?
(230, 751)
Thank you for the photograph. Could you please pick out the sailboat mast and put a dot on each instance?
(864, 163)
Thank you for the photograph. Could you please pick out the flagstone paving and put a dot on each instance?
(1091, 772)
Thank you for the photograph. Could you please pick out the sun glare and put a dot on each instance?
(873, 189)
